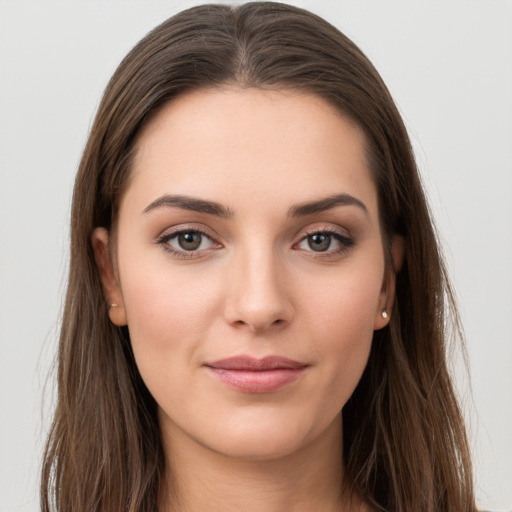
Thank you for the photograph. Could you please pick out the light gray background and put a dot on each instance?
(448, 64)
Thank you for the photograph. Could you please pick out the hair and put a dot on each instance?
(405, 446)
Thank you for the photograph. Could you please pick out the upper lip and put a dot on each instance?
(254, 364)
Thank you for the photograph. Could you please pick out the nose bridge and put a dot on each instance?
(258, 297)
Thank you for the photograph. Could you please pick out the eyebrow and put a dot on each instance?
(322, 205)
(190, 203)
(213, 208)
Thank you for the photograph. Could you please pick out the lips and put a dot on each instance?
(252, 375)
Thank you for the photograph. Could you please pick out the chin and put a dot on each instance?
(260, 446)
(269, 436)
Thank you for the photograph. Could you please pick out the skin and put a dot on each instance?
(255, 286)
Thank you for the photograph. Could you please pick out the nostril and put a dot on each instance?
(257, 309)
(258, 326)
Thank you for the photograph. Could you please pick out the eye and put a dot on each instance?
(319, 242)
(330, 242)
(187, 243)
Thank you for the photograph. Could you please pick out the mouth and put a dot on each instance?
(252, 375)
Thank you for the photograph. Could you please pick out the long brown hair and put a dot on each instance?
(405, 446)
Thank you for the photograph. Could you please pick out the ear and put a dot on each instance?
(109, 281)
(387, 294)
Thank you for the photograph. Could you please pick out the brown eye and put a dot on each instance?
(325, 243)
(190, 240)
(187, 243)
(319, 242)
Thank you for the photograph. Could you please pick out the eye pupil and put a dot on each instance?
(319, 242)
(189, 241)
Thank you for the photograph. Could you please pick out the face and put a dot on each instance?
(249, 268)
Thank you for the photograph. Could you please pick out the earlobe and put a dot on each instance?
(387, 297)
(111, 290)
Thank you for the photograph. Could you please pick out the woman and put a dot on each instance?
(255, 315)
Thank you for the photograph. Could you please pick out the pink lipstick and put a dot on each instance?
(252, 375)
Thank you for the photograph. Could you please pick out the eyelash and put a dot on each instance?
(346, 242)
(183, 254)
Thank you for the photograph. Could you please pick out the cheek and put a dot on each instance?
(346, 301)
(343, 321)
(169, 317)
(168, 311)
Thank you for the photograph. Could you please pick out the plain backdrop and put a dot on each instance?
(448, 64)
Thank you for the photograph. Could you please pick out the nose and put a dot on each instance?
(258, 297)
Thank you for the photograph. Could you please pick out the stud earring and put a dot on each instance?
(384, 314)
(113, 305)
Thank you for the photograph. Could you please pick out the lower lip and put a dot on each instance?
(265, 381)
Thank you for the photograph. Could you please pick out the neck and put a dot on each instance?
(308, 479)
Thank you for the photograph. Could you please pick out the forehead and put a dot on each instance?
(239, 145)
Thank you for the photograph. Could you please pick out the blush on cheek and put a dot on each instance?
(345, 331)
(352, 310)
(163, 310)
